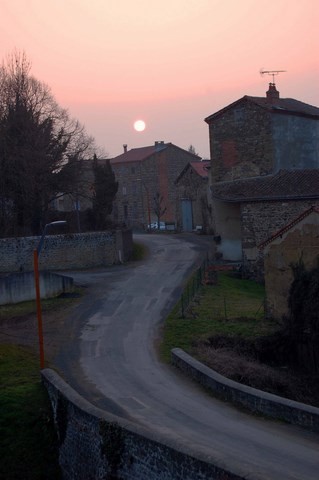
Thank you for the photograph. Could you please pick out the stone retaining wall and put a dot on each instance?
(95, 444)
(63, 252)
(254, 400)
(20, 287)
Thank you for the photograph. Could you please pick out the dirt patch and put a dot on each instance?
(23, 330)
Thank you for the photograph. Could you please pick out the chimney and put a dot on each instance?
(272, 93)
(159, 145)
(125, 147)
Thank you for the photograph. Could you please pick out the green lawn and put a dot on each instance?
(28, 446)
(233, 306)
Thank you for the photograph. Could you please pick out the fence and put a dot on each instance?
(193, 285)
(207, 274)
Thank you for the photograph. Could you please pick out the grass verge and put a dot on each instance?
(233, 306)
(28, 447)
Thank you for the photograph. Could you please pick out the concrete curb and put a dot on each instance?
(250, 398)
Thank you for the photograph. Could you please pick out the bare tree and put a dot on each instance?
(41, 148)
(158, 207)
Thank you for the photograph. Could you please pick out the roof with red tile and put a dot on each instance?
(142, 153)
(285, 185)
(289, 226)
(201, 168)
(138, 154)
(277, 105)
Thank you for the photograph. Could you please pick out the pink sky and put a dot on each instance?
(169, 62)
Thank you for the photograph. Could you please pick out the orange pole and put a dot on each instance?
(39, 311)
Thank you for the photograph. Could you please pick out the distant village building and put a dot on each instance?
(193, 208)
(264, 170)
(146, 175)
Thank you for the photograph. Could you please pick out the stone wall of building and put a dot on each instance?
(194, 187)
(94, 444)
(296, 141)
(63, 252)
(241, 142)
(261, 220)
(300, 243)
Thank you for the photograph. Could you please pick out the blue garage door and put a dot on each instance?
(187, 215)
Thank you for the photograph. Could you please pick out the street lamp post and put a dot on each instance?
(36, 254)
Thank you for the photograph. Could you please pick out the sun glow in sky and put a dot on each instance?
(170, 62)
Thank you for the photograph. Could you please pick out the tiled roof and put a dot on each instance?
(289, 226)
(138, 154)
(286, 105)
(201, 168)
(285, 185)
(277, 105)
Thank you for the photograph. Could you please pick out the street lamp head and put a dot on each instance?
(58, 222)
(51, 224)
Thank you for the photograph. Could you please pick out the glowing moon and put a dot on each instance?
(139, 125)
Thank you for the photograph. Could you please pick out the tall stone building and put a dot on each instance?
(264, 169)
(146, 178)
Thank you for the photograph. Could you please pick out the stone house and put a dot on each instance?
(145, 174)
(192, 207)
(298, 240)
(264, 170)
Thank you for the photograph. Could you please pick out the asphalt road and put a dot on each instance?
(111, 359)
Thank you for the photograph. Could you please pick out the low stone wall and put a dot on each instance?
(95, 444)
(254, 400)
(20, 287)
(63, 252)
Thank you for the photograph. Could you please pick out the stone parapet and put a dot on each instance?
(250, 398)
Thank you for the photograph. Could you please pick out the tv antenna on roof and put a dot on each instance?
(271, 72)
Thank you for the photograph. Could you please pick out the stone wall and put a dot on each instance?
(192, 186)
(261, 220)
(296, 141)
(250, 398)
(95, 444)
(241, 142)
(63, 252)
(301, 242)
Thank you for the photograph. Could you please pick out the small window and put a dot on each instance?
(124, 190)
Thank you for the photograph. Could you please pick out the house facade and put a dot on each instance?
(264, 169)
(193, 209)
(146, 179)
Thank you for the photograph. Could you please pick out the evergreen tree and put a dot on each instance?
(104, 191)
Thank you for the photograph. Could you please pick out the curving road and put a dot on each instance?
(111, 359)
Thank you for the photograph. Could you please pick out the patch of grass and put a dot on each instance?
(233, 306)
(139, 251)
(28, 446)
